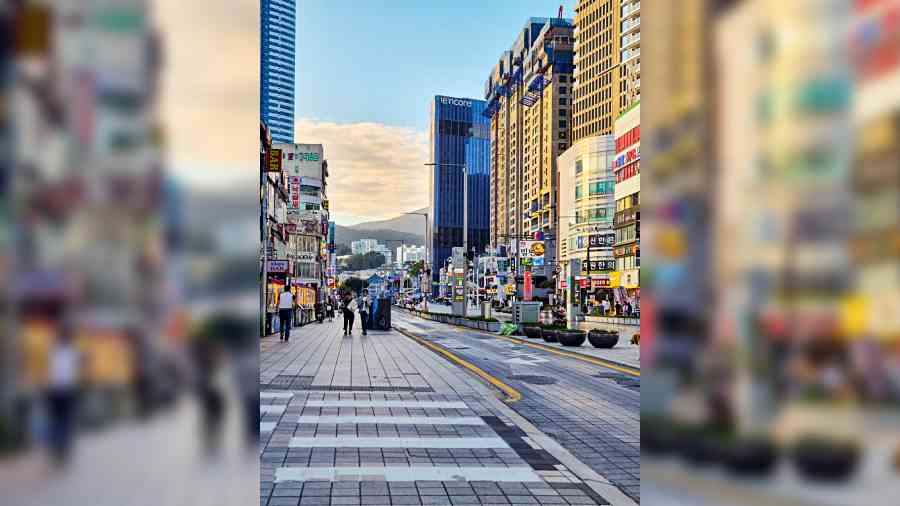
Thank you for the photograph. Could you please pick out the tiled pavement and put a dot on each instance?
(382, 420)
(592, 412)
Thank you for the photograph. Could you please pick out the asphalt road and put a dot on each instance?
(591, 411)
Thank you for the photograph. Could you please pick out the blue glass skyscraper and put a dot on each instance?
(276, 93)
(459, 135)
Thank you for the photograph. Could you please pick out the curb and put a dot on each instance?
(512, 394)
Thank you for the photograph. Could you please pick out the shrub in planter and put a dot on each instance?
(657, 434)
(822, 458)
(603, 338)
(754, 455)
(636, 339)
(550, 335)
(698, 444)
(571, 337)
(533, 332)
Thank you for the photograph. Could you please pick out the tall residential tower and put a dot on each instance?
(276, 97)
(529, 102)
(597, 93)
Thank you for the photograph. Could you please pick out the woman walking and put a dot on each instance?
(348, 308)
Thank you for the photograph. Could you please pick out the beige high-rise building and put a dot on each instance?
(598, 96)
(529, 101)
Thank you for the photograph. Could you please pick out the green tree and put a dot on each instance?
(416, 268)
(370, 260)
(353, 284)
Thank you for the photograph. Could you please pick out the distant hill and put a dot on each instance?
(406, 228)
(406, 223)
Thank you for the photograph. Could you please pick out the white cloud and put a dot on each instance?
(376, 171)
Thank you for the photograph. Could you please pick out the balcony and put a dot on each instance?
(630, 9)
(630, 25)
(631, 39)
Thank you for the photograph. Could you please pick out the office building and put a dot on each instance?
(458, 138)
(363, 246)
(276, 97)
(407, 253)
(529, 94)
(598, 84)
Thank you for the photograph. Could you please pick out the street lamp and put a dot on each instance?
(425, 263)
(465, 170)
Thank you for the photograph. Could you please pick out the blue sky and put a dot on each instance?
(368, 61)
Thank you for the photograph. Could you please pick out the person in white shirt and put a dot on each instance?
(285, 312)
(63, 381)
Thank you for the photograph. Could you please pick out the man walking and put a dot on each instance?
(285, 311)
(365, 306)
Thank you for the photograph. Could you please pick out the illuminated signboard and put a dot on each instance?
(274, 162)
(606, 264)
(602, 240)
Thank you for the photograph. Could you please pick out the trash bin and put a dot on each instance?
(381, 314)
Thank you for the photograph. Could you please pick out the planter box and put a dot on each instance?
(493, 326)
(571, 337)
(603, 338)
(550, 335)
(533, 332)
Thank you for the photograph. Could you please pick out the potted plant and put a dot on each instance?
(572, 337)
(657, 434)
(636, 339)
(824, 458)
(550, 333)
(533, 332)
(600, 338)
(750, 455)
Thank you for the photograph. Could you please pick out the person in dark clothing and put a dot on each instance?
(206, 357)
(364, 304)
(348, 307)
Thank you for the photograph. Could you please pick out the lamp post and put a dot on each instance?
(425, 263)
(465, 170)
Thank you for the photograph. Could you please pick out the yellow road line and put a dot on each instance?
(563, 353)
(513, 395)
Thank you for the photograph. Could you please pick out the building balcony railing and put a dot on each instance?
(630, 24)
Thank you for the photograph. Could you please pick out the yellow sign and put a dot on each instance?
(614, 277)
(537, 249)
(274, 162)
(510, 289)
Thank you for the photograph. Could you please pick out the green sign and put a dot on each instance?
(309, 157)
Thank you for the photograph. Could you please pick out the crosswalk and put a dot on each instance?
(514, 469)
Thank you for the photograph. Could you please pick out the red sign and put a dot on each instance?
(528, 287)
(600, 283)
(583, 283)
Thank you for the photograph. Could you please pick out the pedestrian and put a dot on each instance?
(364, 305)
(63, 381)
(206, 355)
(285, 311)
(348, 308)
(604, 304)
(618, 309)
(329, 308)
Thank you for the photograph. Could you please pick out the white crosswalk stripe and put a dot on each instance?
(387, 404)
(408, 474)
(392, 420)
(398, 442)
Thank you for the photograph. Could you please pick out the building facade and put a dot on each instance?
(363, 246)
(629, 53)
(410, 253)
(598, 96)
(529, 94)
(305, 174)
(627, 221)
(587, 204)
(277, 46)
(458, 136)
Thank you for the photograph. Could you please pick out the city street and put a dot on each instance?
(382, 419)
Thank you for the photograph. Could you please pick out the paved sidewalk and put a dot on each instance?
(381, 420)
(624, 353)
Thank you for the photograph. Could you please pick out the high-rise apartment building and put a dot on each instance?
(598, 96)
(529, 95)
(459, 139)
(276, 93)
(629, 53)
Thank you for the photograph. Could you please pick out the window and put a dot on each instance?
(562, 101)
(562, 123)
(563, 78)
(563, 90)
(578, 167)
(290, 156)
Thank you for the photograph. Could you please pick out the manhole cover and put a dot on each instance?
(534, 379)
